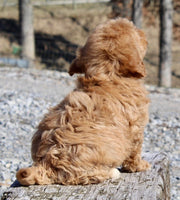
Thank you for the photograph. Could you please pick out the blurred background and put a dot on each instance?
(58, 27)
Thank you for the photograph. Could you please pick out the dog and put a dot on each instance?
(99, 126)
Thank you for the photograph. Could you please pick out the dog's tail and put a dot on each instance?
(33, 175)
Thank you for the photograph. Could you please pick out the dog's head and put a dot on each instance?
(114, 48)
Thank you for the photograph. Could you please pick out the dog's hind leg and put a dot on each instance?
(134, 163)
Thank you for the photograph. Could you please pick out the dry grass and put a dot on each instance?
(73, 24)
(70, 28)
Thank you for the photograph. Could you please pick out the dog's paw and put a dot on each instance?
(147, 166)
(143, 166)
(115, 173)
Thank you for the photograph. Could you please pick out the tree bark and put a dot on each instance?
(165, 57)
(27, 31)
(137, 12)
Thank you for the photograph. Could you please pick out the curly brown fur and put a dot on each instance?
(99, 126)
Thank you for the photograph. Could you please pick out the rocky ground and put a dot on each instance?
(25, 95)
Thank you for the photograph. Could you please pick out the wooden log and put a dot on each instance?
(149, 185)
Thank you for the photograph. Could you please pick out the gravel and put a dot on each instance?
(26, 95)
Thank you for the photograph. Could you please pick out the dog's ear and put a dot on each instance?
(77, 65)
(135, 66)
(131, 62)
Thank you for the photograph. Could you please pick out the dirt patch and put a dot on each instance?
(60, 30)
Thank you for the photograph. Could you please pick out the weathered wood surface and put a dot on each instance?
(149, 185)
(165, 54)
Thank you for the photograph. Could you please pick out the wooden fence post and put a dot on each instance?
(74, 4)
(27, 31)
(165, 57)
(137, 12)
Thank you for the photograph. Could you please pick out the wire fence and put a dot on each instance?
(4, 3)
(60, 29)
(55, 43)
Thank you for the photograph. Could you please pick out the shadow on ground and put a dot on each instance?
(50, 49)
